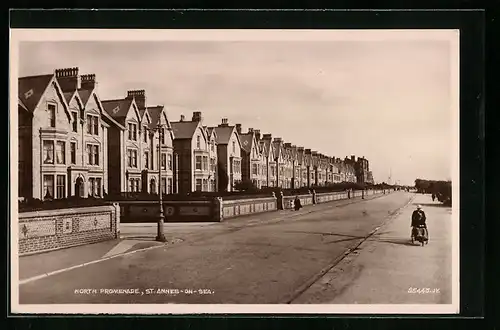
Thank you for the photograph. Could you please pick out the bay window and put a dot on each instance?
(48, 187)
(48, 152)
(60, 152)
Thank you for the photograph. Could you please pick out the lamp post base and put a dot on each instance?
(160, 236)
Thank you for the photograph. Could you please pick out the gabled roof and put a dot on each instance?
(184, 129)
(31, 89)
(117, 109)
(210, 131)
(224, 134)
(21, 104)
(267, 146)
(85, 95)
(278, 149)
(247, 142)
(154, 114)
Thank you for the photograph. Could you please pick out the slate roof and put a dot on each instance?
(210, 130)
(278, 148)
(85, 94)
(68, 96)
(223, 134)
(184, 129)
(31, 89)
(154, 113)
(246, 142)
(266, 144)
(117, 109)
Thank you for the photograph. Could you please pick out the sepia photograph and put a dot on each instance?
(234, 171)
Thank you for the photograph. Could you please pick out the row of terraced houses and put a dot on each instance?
(73, 143)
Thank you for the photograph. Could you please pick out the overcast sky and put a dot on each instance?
(386, 100)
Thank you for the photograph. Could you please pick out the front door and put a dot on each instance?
(79, 188)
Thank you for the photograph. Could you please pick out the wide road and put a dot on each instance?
(264, 263)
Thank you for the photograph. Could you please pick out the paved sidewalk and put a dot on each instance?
(388, 269)
(47, 262)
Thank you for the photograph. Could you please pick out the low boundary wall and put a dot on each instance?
(174, 211)
(47, 230)
(235, 208)
(218, 209)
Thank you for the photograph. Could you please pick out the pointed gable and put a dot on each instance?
(118, 109)
(31, 89)
(184, 129)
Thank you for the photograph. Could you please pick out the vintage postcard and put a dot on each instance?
(234, 171)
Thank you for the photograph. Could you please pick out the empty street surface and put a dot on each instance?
(341, 252)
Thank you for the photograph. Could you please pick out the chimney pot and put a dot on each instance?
(183, 117)
(267, 136)
(238, 128)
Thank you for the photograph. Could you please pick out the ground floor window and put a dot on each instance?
(164, 185)
(61, 186)
(95, 186)
(48, 187)
(198, 185)
(134, 185)
(205, 185)
(170, 186)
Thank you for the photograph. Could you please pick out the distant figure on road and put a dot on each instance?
(433, 197)
(297, 205)
(418, 219)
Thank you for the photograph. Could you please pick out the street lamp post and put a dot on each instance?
(160, 233)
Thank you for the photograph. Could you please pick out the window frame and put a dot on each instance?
(52, 113)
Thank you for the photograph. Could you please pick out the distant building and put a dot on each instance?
(251, 156)
(228, 154)
(133, 145)
(269, 159)
(212, 141)
(192, 145)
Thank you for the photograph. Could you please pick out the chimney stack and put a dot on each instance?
(68, 79)
(183, 117)
(308, 151)
(267, 137)
(257, 134)
(139, 96)
(87, 81)
(353, 158)
(277, 139)
(250, 130)
(238, 128)
(288, 145)
(197, 116)
(223, 123)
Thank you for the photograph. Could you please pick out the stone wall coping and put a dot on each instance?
(28, 216)
(335, 193)
(165, 201)
(303, 196)
(238, 201)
